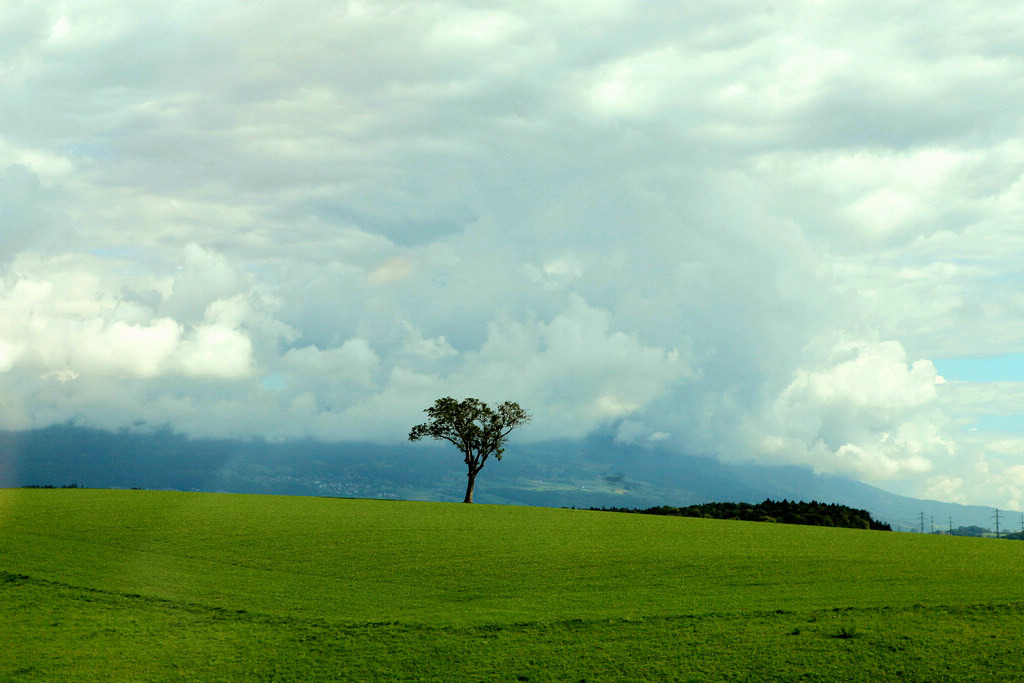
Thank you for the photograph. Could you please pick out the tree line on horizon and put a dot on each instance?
(783, 512)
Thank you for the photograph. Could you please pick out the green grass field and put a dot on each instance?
(141, 585)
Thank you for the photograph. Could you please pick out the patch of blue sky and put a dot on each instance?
(1009, 424)
(1005, 368)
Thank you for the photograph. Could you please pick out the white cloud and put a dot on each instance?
(216, 350)
(476, 29)
(433, 349)
(1014, 475)
(691, 222)
(354, 361)
(205, 277)
(863, 410)
(1007, 446)
(69, 315)
(633, 431)
(576, 369)
(136, 350)
(947, 489)
(635, 85)
(867, 375)
(393, 269)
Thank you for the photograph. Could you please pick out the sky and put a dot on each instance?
(788, 232)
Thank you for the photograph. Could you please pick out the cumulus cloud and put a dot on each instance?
(354, 361)
(433, 349)
(203, 278)
(863, 410)
(216, 350)
(866, 376)
(68, 315)
(584, 372)
(749, 230)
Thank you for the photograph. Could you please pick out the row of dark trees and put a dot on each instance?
(51, 486)
(784, 511)
(982, 532)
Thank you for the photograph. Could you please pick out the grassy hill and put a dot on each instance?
(140, 585)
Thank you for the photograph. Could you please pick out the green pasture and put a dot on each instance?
(142, 585)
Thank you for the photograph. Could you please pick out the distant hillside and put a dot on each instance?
(593, 472)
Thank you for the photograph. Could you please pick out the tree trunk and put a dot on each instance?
(469, 488)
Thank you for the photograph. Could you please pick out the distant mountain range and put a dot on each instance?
(593, 472)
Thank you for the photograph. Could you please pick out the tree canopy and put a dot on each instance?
(476, 429)
(786, 512)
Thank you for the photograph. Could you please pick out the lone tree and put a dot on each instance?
(475, 428)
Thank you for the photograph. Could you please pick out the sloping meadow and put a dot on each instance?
(129, 585)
